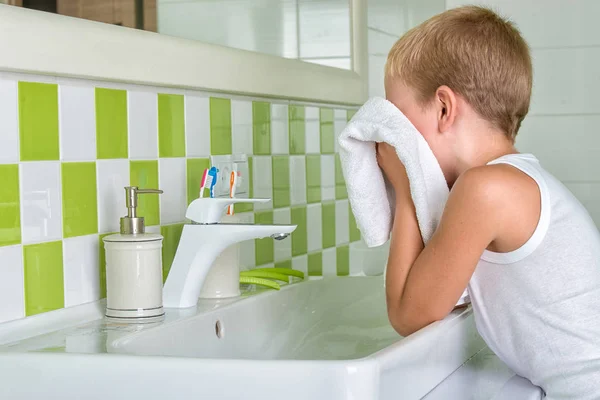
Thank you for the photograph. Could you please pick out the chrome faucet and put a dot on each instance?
(202, 242)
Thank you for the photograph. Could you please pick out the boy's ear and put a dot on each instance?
(446, 107)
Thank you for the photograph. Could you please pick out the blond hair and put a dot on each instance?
(476, 53)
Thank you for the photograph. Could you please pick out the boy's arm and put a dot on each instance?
(424, 284)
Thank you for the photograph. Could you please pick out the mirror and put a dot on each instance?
(316, 31)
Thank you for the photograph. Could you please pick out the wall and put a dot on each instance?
(68, 147)
(316, 31)
(561, 128)
(388, 20)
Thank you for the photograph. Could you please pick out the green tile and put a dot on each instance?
(313, 178)
(300, 235)
(315, 264)
(80, 205)
(111, 123)
(327, 135)
(281, 181)
(195, 169)
(350, 114)
(354, 231)
(38, 121)
(297, 130)
(171, 125)
(343, 260)
(10, 215)
(328, 224)
(171, 234)
(220, 126)
(340, 183)
(43, 267)
(261, 127)
(246, 207)
(102, 263)
(144, 174)
(284, 264)
(263, 248)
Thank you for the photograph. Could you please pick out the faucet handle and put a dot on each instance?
(208, 210)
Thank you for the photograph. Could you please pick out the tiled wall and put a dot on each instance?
(387, 21)
(562, 126)
(68, 147)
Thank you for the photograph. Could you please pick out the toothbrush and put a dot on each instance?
(232, 185)
(205, 182)
(212, 173)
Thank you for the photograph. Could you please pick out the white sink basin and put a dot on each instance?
(324, 339)
(334, 319)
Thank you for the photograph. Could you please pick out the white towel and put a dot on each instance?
(378, 120)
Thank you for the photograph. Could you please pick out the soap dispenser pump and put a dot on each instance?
(134, 267)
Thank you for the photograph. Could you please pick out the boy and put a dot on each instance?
(526, 248)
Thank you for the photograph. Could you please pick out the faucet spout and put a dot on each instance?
(199, 247)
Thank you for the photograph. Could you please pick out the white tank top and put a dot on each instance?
(538, 307)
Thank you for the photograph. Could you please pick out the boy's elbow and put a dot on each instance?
(406, 322)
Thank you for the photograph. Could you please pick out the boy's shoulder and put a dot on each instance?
(496, 183)
(504, 197)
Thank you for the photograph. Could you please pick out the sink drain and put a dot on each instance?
(218, 329)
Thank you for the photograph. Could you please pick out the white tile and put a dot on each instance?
(77, 123)
(566, 81)
(262, 171)
(556, 23)
(387, 16)
(328, 177)
(342, 232)
(324, 28)
(247, 252)
(41, 206)
(339, 123)
(241, 127)
(197, 126)
(113, 176)
(11, 283)
(280, 143)
(81, 270)
(380, 42)
(269, 27)
(339, 114)
(418, 11)
(376, 74)
(329, 262)
(300, 263)
(298, 180)
(312, 130)
(567, 146)
(311, 113)
(153, 229)
(172, 181)
(282, 248)
(588, 193)
(9, 122)
(269, 265)
(314, 224)
(143, 125)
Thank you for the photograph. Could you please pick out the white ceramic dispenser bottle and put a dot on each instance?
(134, 267)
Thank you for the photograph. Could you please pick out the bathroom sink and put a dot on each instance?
(318, 339)
(332, 319)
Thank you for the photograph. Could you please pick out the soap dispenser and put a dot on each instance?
(134, 267)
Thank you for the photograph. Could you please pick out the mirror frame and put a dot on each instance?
(49, 44)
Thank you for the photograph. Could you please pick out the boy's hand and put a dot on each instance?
(393, 168)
